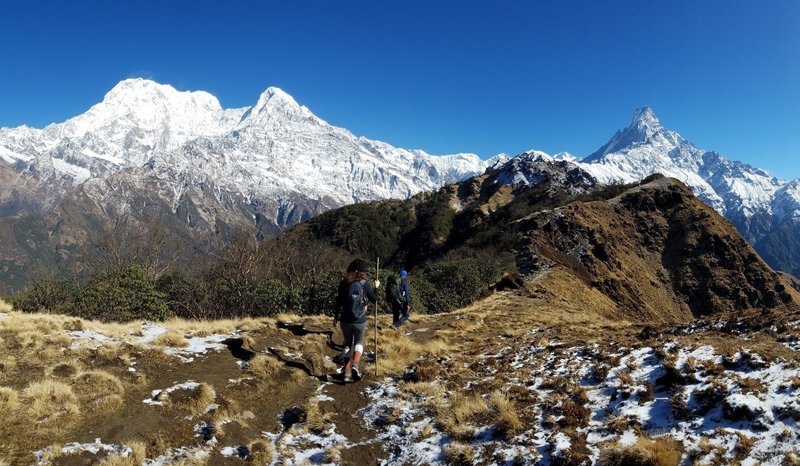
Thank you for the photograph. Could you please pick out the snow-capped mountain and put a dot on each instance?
(149, 151)
(276, 149)
(534, 167)
(756, 202)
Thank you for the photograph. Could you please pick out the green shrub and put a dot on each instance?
(46, 294)
(320, 296)
(454, 283)
(122, 295)
(270, 297)
(186, 296)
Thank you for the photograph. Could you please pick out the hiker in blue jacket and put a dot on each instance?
(401, 302)
(351, 311)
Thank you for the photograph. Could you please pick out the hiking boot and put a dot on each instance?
(347, 376)
(356, 372)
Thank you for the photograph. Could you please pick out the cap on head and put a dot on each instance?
(403, 273)
(357, 265)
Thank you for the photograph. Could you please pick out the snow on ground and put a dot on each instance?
(147, 337)
(715, 405)
(94, 448)
(157, 398)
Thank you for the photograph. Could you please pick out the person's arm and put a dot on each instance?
(337, 311)
(407, 293)
(369, 291)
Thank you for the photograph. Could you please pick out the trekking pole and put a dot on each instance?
(377, 277)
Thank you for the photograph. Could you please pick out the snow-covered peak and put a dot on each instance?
(535, 156)
(139, 91)
(157, 114)
(533, 167)
(644, 118)
(645, 128)
(565, 156)
(786, 203)
(273, 103)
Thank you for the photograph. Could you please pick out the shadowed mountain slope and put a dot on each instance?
(656, 253)
(646, 253)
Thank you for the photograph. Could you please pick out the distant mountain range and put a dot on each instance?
(148, 151)
(764, 208)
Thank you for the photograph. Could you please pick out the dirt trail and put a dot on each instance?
(240, 407)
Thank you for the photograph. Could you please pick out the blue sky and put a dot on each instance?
(442, 76)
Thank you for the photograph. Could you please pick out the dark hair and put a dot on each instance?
(357, 265)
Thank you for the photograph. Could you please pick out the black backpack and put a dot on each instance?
(354, 307)
(394, 290)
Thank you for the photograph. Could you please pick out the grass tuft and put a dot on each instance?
(193, 399)
(459, 454)
(9, 401)
(7, 365)
(99, 390)
(333, 455)
(457, 417)
(261, 451)
(64, 369)
(171, 339)
(316, 420)
(135, 457)
(5, 307)
(506, 420)
(50, 404)
(264, 367)
(660, 451)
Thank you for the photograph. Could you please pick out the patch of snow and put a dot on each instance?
(94, 448)
(156, 395)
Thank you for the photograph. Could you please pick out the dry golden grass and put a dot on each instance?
(316, 420)
(743, 446)
(660, 451)
(172, 339)
(621, 424)
(135, 457)
(751, 385)
(194, 400)
(64, 369)
(574, 415)
(28, 340)
(333, 455)
(791, 459)
(114, 330)
(795, 382)
(5, 307)
(506, 420)
(50, 404)
(9, 402)
(427, 395)
(98, 390)
(261, 451)
(264, 367)
(7, 365)
(625, 378)
(251, 325)
(201, 328)
(459, 454)
(457, 416)
(397, 351)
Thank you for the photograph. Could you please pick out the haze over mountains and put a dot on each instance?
(148, 151)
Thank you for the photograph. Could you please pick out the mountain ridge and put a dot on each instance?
(756, 202)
